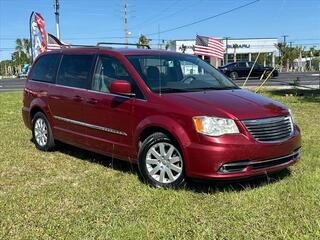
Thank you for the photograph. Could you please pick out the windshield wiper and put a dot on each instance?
(170, 90)
(215, 88)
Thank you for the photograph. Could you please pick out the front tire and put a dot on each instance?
(160, 162)
(42, 133)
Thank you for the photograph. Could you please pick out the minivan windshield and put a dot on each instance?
(179, 73)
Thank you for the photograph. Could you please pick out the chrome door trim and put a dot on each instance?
(109, 130)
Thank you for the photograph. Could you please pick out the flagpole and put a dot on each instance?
(30, 32)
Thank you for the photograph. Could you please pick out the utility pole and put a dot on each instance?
(159, 46)
(290, 44)
(56, 13)
(125, 18)
(285, 39)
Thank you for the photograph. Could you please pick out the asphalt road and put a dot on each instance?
(284, 79)
(13, 84)
(309, 79)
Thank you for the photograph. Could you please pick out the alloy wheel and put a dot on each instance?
(41, 132)
(164, 162)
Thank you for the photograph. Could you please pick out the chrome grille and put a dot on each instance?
(270, 130)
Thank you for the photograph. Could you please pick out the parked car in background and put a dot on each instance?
(237, 70)
(173, 114)
(24, 71)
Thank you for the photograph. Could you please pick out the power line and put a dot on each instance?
(205, 19)
(155, 18)
(174, 13)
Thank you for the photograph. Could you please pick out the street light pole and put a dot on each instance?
(56, 13)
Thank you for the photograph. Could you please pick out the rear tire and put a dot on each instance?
(233, 75)
(41, 132)
(160, 162)
(266, 74)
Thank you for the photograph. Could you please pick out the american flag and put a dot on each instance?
(209, 46)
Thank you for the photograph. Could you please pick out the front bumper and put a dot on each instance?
(237, 156)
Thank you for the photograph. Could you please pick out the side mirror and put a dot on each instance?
(121, 87)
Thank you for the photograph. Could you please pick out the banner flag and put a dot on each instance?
(38, 34)
(41, 40)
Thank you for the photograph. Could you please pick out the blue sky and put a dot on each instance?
(91, 21)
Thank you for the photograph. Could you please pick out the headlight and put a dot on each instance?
(214, 126)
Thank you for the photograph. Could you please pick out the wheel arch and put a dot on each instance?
(38, 105)
(166, 125)
(153, 129)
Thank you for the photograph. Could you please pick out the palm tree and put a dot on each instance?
(19, 46)
(167, 45)
(23, 45)
(235, 46)
(22, 54)
(311, 53)
(183, 48)
(143, 40)
(27, 46)
(283, 52)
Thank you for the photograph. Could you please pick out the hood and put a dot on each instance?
(236, 104)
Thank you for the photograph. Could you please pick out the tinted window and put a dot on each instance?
(107, 70)
(256, 66)
(46, 67)
(242, 65)
(75, 70)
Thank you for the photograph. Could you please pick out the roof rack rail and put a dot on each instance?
(77, 45)
(124, 44)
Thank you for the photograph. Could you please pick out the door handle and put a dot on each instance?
(92, 101)
(77, 98)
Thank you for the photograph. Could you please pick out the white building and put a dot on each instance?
(246, 49)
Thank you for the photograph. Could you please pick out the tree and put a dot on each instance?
(167, 45)
(183, 48)
(143, 40)
(6, 67)
(283, 52)
(235, 46)
(23, 45)
(22, 54)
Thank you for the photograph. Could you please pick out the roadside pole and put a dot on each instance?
(270, 74)
(56, 13)
(255, 61)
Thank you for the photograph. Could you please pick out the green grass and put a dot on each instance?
(73, 194)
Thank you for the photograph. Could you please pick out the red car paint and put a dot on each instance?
(172, 113)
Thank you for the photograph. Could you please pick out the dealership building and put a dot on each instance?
(246, 49)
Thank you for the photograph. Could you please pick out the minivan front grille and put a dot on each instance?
(268, 130)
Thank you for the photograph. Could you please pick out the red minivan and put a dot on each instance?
(173, 114)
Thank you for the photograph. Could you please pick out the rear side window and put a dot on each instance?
(46, 67)
(242, 65)
(75, 70)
